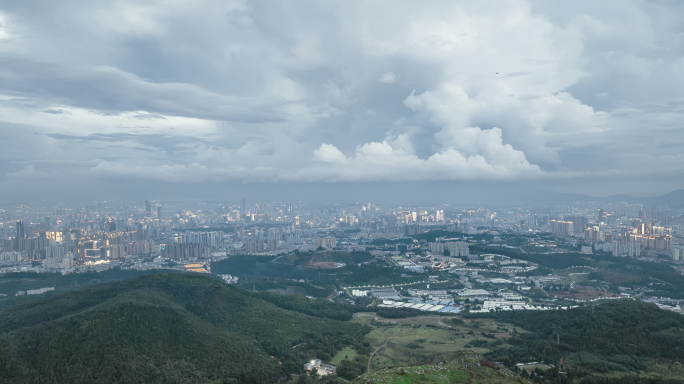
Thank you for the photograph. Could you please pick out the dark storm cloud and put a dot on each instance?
(56, 111)
(111, 91)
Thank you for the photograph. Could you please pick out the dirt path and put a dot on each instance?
(372, 354)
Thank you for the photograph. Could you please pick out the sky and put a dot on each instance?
(340, 99)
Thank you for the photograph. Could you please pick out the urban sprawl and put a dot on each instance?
(470, 248)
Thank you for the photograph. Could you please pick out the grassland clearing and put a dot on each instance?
(455, 367)
(412, 340)
(345, 354)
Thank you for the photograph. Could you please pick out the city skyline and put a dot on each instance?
(112, 234)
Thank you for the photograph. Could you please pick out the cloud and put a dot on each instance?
(180, 173)
(110, 90)
(388, 78)
(56, 111)
(467, 154)
(329, 154)
(195, 91)
(28, 172)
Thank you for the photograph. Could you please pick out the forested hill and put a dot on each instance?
(618, 337)
(167, 328)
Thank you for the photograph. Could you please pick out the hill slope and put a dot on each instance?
(458, 367)
(622, 338)
(167, 328)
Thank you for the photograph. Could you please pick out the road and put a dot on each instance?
(372, 354)
(398, 285)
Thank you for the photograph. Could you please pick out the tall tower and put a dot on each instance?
(148, 209)
(159, 215)
(20, 229)
(243, 212)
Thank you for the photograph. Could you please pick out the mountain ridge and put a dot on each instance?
(164, 328)
(673, 199)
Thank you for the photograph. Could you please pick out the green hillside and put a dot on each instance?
(167, 328)
(619, 341)
(458, 367)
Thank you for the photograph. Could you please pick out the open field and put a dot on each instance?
(346, 353)
(531, 367)
(412, 340)
(458, 367)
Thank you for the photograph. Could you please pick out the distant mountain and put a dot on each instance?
(168, 328)
(674, 199)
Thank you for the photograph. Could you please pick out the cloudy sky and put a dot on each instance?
(578, 96)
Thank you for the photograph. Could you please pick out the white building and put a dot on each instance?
(10, 256)
(322, 368)
(66, 261)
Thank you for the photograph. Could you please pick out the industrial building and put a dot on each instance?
(385, 293)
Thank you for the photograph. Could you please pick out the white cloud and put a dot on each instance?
(388, 78)
(29, 171)
(469, 154)
(329, 154)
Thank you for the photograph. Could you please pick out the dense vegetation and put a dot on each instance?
(621, 336)
(286, 286)
(316, 308)
(553, 261)
(398, 313)
(253, 269)
(11, 283)
(169, 328)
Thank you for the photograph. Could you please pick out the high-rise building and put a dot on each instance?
(591, 235)
(20, 230)
(325, 242)
(243, 212)
(561, 228)
(272, 244)
(436, 248)
(159, 215)
(148, 209)
(457, 248)
(439, 215)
